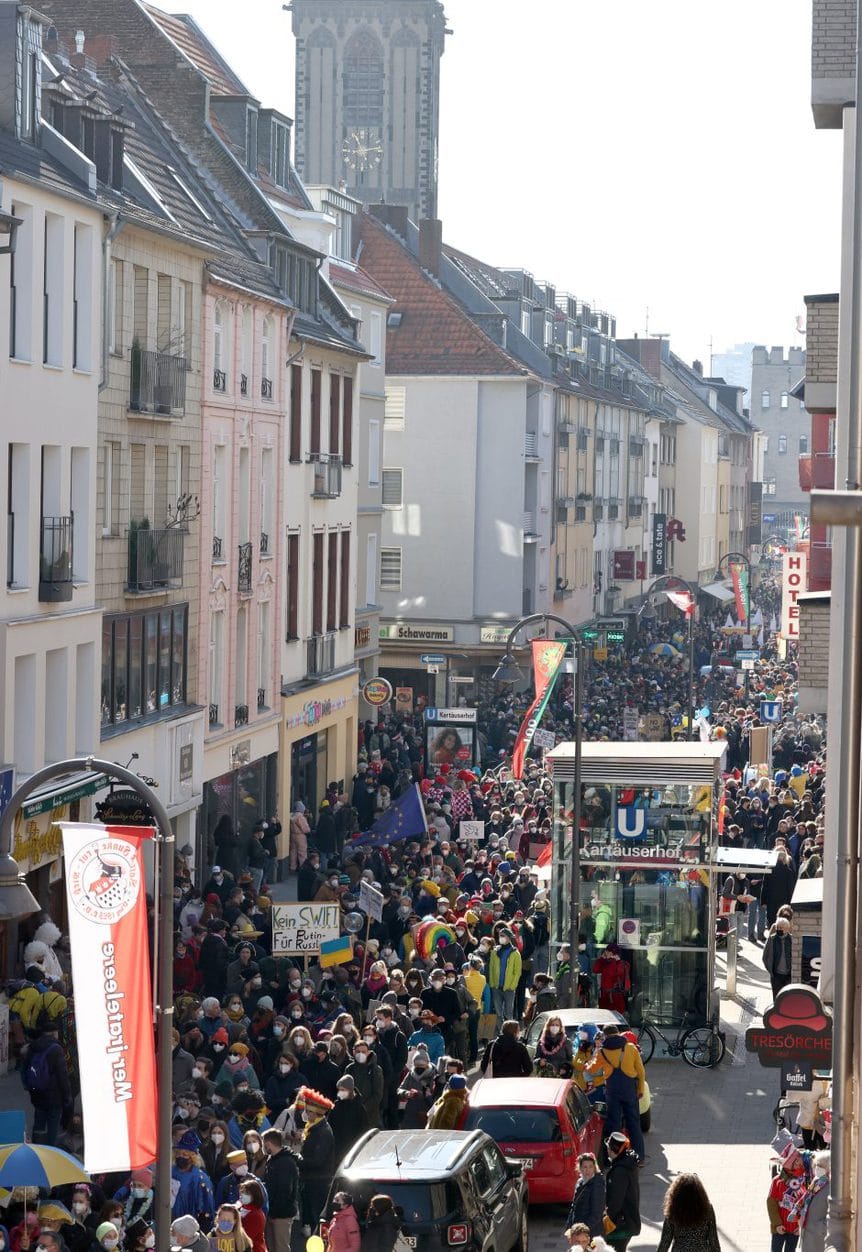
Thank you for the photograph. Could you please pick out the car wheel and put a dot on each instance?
(523, 1241)
(646, 1120)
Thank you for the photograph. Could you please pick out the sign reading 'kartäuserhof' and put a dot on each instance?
(794, 1029)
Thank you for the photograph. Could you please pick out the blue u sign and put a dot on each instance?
(631, 823)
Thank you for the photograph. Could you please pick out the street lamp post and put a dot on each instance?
(15, 895)
(508, 671)
(671, 582)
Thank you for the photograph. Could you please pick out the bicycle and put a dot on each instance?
(700, 1046)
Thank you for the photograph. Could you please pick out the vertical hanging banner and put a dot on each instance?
(107, 907)
(739, 575)
(547, 658)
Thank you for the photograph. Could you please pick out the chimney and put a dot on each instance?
(393, 215)
(697, 366)
(100, 48)
(431, 245)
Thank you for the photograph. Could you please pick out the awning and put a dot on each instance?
(64, 791)
(720, 591)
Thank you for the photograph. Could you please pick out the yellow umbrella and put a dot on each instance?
(37, 1165)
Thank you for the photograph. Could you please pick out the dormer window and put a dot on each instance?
(280, 163)
(30, 77)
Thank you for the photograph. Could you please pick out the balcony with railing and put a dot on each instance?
(321, 655)
(155, 558)
(327, 475)
(55, 560)
(219, 380)
(817, 470)
(820, 567)
(531, 446)
(157, 383)
(531, 530)
(243, 577)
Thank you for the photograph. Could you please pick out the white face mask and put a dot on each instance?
(342, 1094)
(197, 1072)
(284, 1069)
(218, 1047)
(109, 1242)
(553, 1030)
(81, 1206)
(360, 1057)
(244, 1197)
(150, 1240)
(306, 993)
(240, 1170)
(217, 1137)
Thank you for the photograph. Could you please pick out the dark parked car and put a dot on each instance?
(454, 1189)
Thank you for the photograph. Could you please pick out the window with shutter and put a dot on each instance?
(390, 569)
(395, 409)
(393, 488)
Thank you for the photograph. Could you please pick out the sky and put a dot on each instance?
(658, 159)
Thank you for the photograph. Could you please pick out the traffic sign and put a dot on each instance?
(770, 710)
(432, 669)
(748, 654)
(432, 658)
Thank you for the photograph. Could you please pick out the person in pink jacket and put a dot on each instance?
(343, 1232)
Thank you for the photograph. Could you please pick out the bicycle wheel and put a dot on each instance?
(646, 1042)
(701, 1047)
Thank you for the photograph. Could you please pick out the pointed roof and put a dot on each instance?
(436, 336)
(183, 31)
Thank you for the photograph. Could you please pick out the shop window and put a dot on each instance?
(143, 665)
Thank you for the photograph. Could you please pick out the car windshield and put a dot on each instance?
(418, 1201)
(516, 1125)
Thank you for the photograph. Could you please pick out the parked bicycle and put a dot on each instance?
(700, 1046)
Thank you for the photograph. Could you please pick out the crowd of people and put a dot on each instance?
(281, 1064)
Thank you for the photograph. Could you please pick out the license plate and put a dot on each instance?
(526, 1161)
(410, 1240)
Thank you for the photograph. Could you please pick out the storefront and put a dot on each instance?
(243, 794)
(647, 865)
(318, 745)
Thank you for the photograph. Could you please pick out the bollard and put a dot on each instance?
(732, 953)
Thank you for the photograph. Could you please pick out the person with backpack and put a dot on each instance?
(46, 1079)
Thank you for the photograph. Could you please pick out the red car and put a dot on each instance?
(544, 1123)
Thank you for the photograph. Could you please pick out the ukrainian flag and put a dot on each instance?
(336, 951)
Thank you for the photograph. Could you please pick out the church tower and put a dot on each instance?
(367, 98)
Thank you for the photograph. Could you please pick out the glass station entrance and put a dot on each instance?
(646, 867)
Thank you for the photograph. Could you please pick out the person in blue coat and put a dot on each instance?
(429, 1035)
(194, 1194)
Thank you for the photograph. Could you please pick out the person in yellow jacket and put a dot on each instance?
(618, 1064)
(504, 974)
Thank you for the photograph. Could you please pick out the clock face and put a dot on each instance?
(362, 149)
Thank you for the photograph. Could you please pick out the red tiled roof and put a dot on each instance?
(181, 30)
(356, 279)
(436, 336)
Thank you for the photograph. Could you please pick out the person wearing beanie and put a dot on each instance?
(448, 1112)
(347, 1118)
(138, 1236)
(186, 1233)
(107, 1236)
(622, 1190)
(194, 1190)
(619, 1066)
(417, 1091)
(320, 1072)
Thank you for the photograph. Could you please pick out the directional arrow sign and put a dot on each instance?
(432, 658)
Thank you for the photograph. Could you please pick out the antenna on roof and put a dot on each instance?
(397, 1158)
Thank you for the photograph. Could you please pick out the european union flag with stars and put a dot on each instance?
(404, 819)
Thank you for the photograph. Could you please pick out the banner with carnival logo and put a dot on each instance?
(107, 908)
(547, 658)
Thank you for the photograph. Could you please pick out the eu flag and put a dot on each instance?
(404, 819)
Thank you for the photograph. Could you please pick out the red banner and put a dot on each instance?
(547, 658)
(106, 896)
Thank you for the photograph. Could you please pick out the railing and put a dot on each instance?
(219, 380)
(243, 578)
(240, 715)
(531, 446)
(264, 543)
(55, 560)
(155, 558)
(327, 475)
(243, 384)
(213, 715)
(817, 470)
(321, 654)
(10, 549)
(261, 698)
(530, 531)
(266, 388)
(218, 548)
(157, 383)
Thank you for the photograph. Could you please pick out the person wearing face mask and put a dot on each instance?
(443, 1003)
(417, 1091)
(214, 957)
(369, 1081)
(553, 1050)
(187, 1234)
(137, 1197)
(227, 1192)
(237, 1067)
(182, 1062)
(329, 891)
(342, 1232)
(214, 1152)
(251, 1213)
(252, 1144)
(107, 1236)
(228, 1234)
(80, 1234)
(283, 1083)
(504, 974)
(194, 1190)
(347, 1118)
(282, 1182)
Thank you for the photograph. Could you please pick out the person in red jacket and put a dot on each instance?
(252, 1214)
(783, 1201)
(614, 979)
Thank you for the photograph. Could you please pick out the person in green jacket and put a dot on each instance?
(603, 921)
(504, 974)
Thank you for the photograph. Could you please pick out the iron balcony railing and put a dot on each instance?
(266, 388)
(219, 380)
(321, 655)
(213, 715)
(327, 475)
(55, 559)
(155, 558)
(157, 383)
(261, 698)
(243, 580)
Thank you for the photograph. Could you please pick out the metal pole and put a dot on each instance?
(841, 1188)
(691, 670)
(164, 956)
(575, 902)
